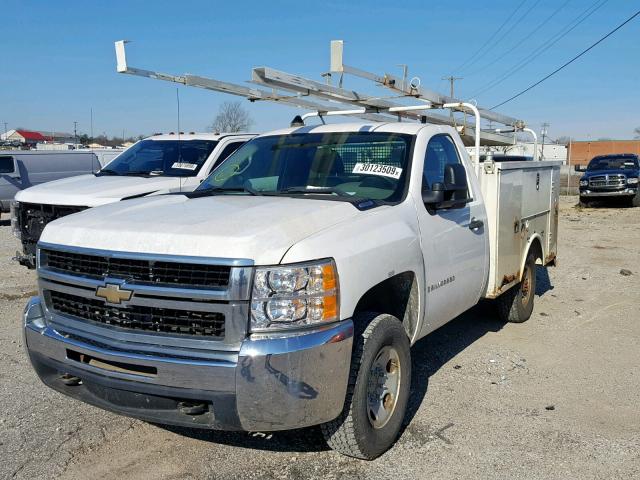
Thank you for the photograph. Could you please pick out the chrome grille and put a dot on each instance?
(136, 317)
(144, 271)
(615, 180)
(31, 219)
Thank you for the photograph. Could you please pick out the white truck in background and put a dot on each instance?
(155, 165)
(287, 289)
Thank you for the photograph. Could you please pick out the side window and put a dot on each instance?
(6, 164)
(441, 150)
(226, 151)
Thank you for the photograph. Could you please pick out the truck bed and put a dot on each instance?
(521, 199)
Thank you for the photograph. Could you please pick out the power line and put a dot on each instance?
(506, 32)
(543, 48)
(521, 41)
(491, 37)
(570, 61)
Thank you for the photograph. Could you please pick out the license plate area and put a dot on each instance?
(111, 366)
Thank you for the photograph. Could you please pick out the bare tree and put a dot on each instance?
(231, 117)
(505, 149)
(637, 132)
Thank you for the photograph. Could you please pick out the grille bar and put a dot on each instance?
(145, 271)
(135, 317)
(615, 180)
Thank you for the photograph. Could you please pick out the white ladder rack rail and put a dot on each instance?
(322, 98)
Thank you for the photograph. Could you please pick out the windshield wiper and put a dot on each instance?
(141, 172)
(107, 171)
(313, 190)
(213, 190)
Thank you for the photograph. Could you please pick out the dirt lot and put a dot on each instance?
(556, 397)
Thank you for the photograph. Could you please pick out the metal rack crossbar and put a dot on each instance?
(325, 99)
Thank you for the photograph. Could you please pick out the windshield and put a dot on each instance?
(371, 165)
(613, 163)
(175, 158)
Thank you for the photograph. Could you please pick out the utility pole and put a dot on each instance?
(92, 124)
(75, 134)
(544, 132)
(452, 81)
(5, 131)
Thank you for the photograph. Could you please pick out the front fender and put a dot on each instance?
(374, 246)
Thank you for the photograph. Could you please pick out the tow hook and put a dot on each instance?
(189, 408)
(70, 380)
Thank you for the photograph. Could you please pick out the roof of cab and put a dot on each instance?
(197, 136)
(392, 127)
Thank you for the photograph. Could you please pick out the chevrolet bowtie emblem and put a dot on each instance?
(112, 293)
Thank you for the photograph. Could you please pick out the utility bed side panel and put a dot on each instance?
(522, 201)
(552, 246)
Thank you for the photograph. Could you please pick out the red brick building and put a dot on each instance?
(582, 151)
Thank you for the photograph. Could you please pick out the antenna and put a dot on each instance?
(179, 152)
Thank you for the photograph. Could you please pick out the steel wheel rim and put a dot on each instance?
(383, 386)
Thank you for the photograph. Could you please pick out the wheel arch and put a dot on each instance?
(398, 296)
(533, 246)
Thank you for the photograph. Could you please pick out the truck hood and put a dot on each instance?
(261, 229)
(627, 172)
(91, 191)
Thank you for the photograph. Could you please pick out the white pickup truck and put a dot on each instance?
(287, 290)
(154, 165)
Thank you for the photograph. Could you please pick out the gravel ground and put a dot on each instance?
(556, 397)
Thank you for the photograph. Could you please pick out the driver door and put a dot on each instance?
(453, 241)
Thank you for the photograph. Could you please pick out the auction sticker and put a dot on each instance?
(185, 166)
(377, 169)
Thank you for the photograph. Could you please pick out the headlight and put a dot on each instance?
(584, 183)
(15, 223)
(294, 295)
(632, 181)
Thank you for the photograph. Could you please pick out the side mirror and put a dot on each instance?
(452, 193)
(455, 181)
(9, 167)
(434, 197)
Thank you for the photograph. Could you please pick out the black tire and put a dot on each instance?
(353, 432)
(635, 200)
(584, 203)
(516, 304)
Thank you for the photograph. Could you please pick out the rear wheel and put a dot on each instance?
(516, 304)
(378, 390)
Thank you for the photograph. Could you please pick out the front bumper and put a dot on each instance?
(274, 382)
(589, 193)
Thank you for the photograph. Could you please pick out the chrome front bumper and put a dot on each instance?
(274, 382)
(627, 192)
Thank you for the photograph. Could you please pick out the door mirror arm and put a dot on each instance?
(433, 198)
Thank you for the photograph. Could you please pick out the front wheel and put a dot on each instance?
(635, 200)
(584, 203)
(378, 390)
(516, 304)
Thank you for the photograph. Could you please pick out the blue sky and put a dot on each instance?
(58, 59)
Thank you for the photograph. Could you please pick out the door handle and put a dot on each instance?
(475, 224)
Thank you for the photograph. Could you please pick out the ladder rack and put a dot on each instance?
(325, 99)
